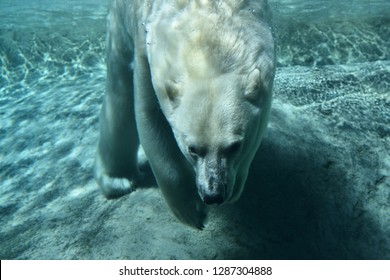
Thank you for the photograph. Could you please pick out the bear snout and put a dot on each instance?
(213, 198)
(213, 192)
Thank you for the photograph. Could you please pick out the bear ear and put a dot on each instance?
(172, 91)
(253, 90)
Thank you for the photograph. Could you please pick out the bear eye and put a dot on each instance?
(233, 148)
(196, 152)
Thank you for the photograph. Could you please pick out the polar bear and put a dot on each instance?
(189, 88)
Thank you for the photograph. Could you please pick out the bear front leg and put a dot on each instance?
(174, 175)
(116, 159)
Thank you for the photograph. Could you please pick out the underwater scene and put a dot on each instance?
(318, 188)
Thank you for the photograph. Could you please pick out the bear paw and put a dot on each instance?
(193, 215)
(112, 187)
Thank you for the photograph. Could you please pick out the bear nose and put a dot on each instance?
(213, 199)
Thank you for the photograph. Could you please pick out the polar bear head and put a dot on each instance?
(214, 88)
(218, 123)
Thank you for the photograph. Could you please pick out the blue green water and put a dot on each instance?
(319, 187)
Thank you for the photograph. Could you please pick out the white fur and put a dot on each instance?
(192, 82)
